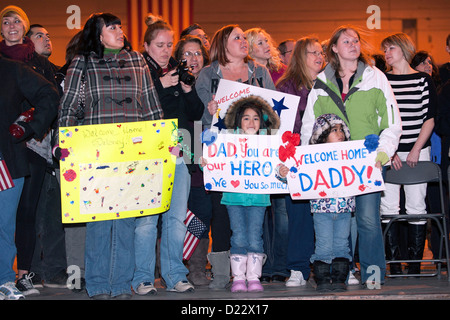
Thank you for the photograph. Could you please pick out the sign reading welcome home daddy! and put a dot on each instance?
(243, 163)
(118, 170)
(333, 170)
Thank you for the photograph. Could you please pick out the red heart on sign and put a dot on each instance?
(235, 183)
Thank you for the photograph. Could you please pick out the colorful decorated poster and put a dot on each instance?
(333, 170)
(285, 105)
(243, 163)
(118, 170)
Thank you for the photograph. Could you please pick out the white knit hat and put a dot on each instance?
(325, 122)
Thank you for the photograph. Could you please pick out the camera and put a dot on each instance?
(185, 75)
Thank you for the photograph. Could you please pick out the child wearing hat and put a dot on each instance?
(248, 115)
(331, 216)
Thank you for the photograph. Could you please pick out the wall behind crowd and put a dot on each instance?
(425, 21)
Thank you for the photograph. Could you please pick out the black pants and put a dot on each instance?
(50, 250)
(26, 212)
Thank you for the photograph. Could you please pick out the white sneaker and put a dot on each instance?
(352, 279)
(182, 286)
(146, 288)
(296, 279)
(10, 292)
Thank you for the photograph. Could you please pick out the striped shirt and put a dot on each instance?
(417, 101)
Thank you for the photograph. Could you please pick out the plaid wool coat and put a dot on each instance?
(119, 88)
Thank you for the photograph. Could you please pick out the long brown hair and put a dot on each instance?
(333, 58)
(297, 69)
(218, 50)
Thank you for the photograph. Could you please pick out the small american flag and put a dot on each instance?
(5, 178)
(195, 230)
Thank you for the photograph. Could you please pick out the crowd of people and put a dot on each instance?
(346, 91)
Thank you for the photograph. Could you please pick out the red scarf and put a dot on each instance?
(20, 52)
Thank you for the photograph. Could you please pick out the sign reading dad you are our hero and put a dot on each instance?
(243, 163)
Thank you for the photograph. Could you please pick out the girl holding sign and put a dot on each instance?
(230, 61)
(332, 216)
(246, 211)
(360, 95)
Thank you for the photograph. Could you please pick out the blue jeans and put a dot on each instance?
(301, 235)
(370, 237)
(276, 238)
(247, 228)
(172, 236)
(332, 234)
(145, 236)
(9, 201)
(109, 256)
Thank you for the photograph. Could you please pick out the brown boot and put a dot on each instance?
(197, 264)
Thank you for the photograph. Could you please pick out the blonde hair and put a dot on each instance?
(404, 42)
(274, 62)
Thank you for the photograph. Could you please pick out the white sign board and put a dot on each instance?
(333, 170)
(243, 163)
(285, 105)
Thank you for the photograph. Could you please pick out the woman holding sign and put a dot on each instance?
(361, 95)
(230, 61)
(118, 89)
(417, 99)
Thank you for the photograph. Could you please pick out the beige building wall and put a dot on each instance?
(281, 18)
(297, 18)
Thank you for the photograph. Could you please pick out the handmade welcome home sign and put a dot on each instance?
(118, 170)
(332, 170)
(285, 105)
(243, 163)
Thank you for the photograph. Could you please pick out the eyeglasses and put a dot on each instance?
(191, 54)
(316, 53)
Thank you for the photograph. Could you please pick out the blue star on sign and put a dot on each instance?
(220, 124)
(279, 106)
